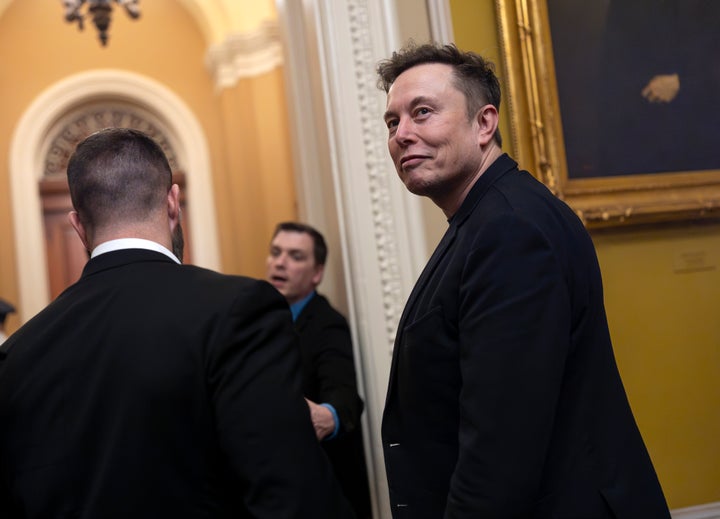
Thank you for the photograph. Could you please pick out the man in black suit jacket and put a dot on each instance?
(295, 266)
(150, 389)
(504, 397)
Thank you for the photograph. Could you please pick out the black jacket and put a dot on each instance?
(504, 398)
(149, 389)
(329, 377)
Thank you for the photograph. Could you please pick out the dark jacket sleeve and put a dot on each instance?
(263, 421)
(513, 334)
(334, 369)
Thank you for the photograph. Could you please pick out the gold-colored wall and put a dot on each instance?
(663, 311)
(663, 315)
(245, 125)
(257, 189)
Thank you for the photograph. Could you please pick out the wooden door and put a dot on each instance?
(66, 255)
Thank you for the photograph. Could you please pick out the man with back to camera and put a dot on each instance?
(295, 266)
(504, 397)
(150, 389)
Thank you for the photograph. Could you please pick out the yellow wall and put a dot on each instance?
(666, 332)
(257, 189)
(245, 125)
(475, 28)
(665, 322)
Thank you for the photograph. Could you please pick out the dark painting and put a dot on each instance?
(638, 85)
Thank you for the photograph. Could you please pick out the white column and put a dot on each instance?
(347, 183)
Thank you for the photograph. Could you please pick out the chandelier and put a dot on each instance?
(100, 11)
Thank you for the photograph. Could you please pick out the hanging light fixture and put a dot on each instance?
(100, 11)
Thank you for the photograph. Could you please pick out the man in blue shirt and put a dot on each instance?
(295, 266)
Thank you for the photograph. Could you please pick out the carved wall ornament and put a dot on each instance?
(374, 139)
(87, 119)
(244, 55)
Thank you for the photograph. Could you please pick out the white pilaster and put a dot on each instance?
(347, 181)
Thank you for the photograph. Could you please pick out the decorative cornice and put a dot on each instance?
(245, 55)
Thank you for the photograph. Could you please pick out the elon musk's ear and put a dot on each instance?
(487, 119)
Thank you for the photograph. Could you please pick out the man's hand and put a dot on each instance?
(322, 419)
(662, 88)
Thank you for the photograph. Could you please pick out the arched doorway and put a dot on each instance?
(66, 255)
(32, 147)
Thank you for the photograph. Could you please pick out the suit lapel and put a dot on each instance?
(417, 290)
(302, 319)
(307, 313)
(501, 166)
(427, 272)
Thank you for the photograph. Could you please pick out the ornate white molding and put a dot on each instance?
(365, 175)
(243, 55)
(345, 174)
(376, 167)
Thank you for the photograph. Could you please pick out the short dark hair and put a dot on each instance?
(319, 246)
(117, 175)
(474, 75)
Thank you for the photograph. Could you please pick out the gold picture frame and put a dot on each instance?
(537, 135)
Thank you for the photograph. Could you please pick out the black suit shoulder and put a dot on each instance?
(320, 312)
(160, 372)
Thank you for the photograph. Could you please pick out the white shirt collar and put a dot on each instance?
(132, 243)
